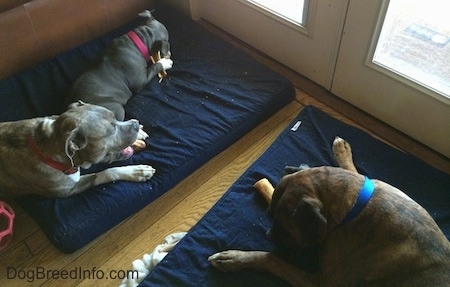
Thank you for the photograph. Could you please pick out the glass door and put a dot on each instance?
(302, 34)
(415, 43)
(294, 11)
(389, 58)
(394, 64)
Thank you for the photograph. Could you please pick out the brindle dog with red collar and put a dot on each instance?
(44, 155)
(392, 241)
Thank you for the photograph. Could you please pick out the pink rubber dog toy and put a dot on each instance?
(6, 224)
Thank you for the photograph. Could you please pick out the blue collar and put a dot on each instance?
(363, 198)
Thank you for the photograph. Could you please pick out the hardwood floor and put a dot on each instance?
(180, 208)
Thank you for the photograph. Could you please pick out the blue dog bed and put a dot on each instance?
(214, 94)
(239, 219)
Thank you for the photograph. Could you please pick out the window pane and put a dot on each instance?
(292, 10)
(415, 42)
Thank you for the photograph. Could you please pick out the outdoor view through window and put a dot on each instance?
(291, 10)
(415, 42)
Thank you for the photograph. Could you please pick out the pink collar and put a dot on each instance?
(50, 162)
(139, 44)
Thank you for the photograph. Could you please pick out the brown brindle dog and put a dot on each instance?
(392, 241)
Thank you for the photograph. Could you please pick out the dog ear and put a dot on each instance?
(79, 103)
(290, 169)
(75, 141)
(293, 169)
(145, 16)
(312, 223)
(276, 196)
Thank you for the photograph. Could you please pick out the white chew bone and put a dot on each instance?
(265, 188)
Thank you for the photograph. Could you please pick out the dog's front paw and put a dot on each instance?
(142, 172)
(139, 172)
(166, 63)
(233, 260)
(129, 173)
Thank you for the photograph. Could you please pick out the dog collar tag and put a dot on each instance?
(50, 162)
(363, 198)
(71, 170)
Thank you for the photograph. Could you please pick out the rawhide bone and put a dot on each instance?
(138, 145)
(155, 58)
(265, 188)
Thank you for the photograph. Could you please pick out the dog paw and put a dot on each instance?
(233, 260)
(166, 63)
(133, 172)
(343, 153)
(227, 260)
(341, 149)
(129, 173)
(142, 172)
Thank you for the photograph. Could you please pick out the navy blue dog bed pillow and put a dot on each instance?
(214, 94)
(239, 220)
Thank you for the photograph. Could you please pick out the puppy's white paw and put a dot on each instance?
(166, 63)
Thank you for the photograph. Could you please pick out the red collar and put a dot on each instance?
(50, 162)
(139, 44)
